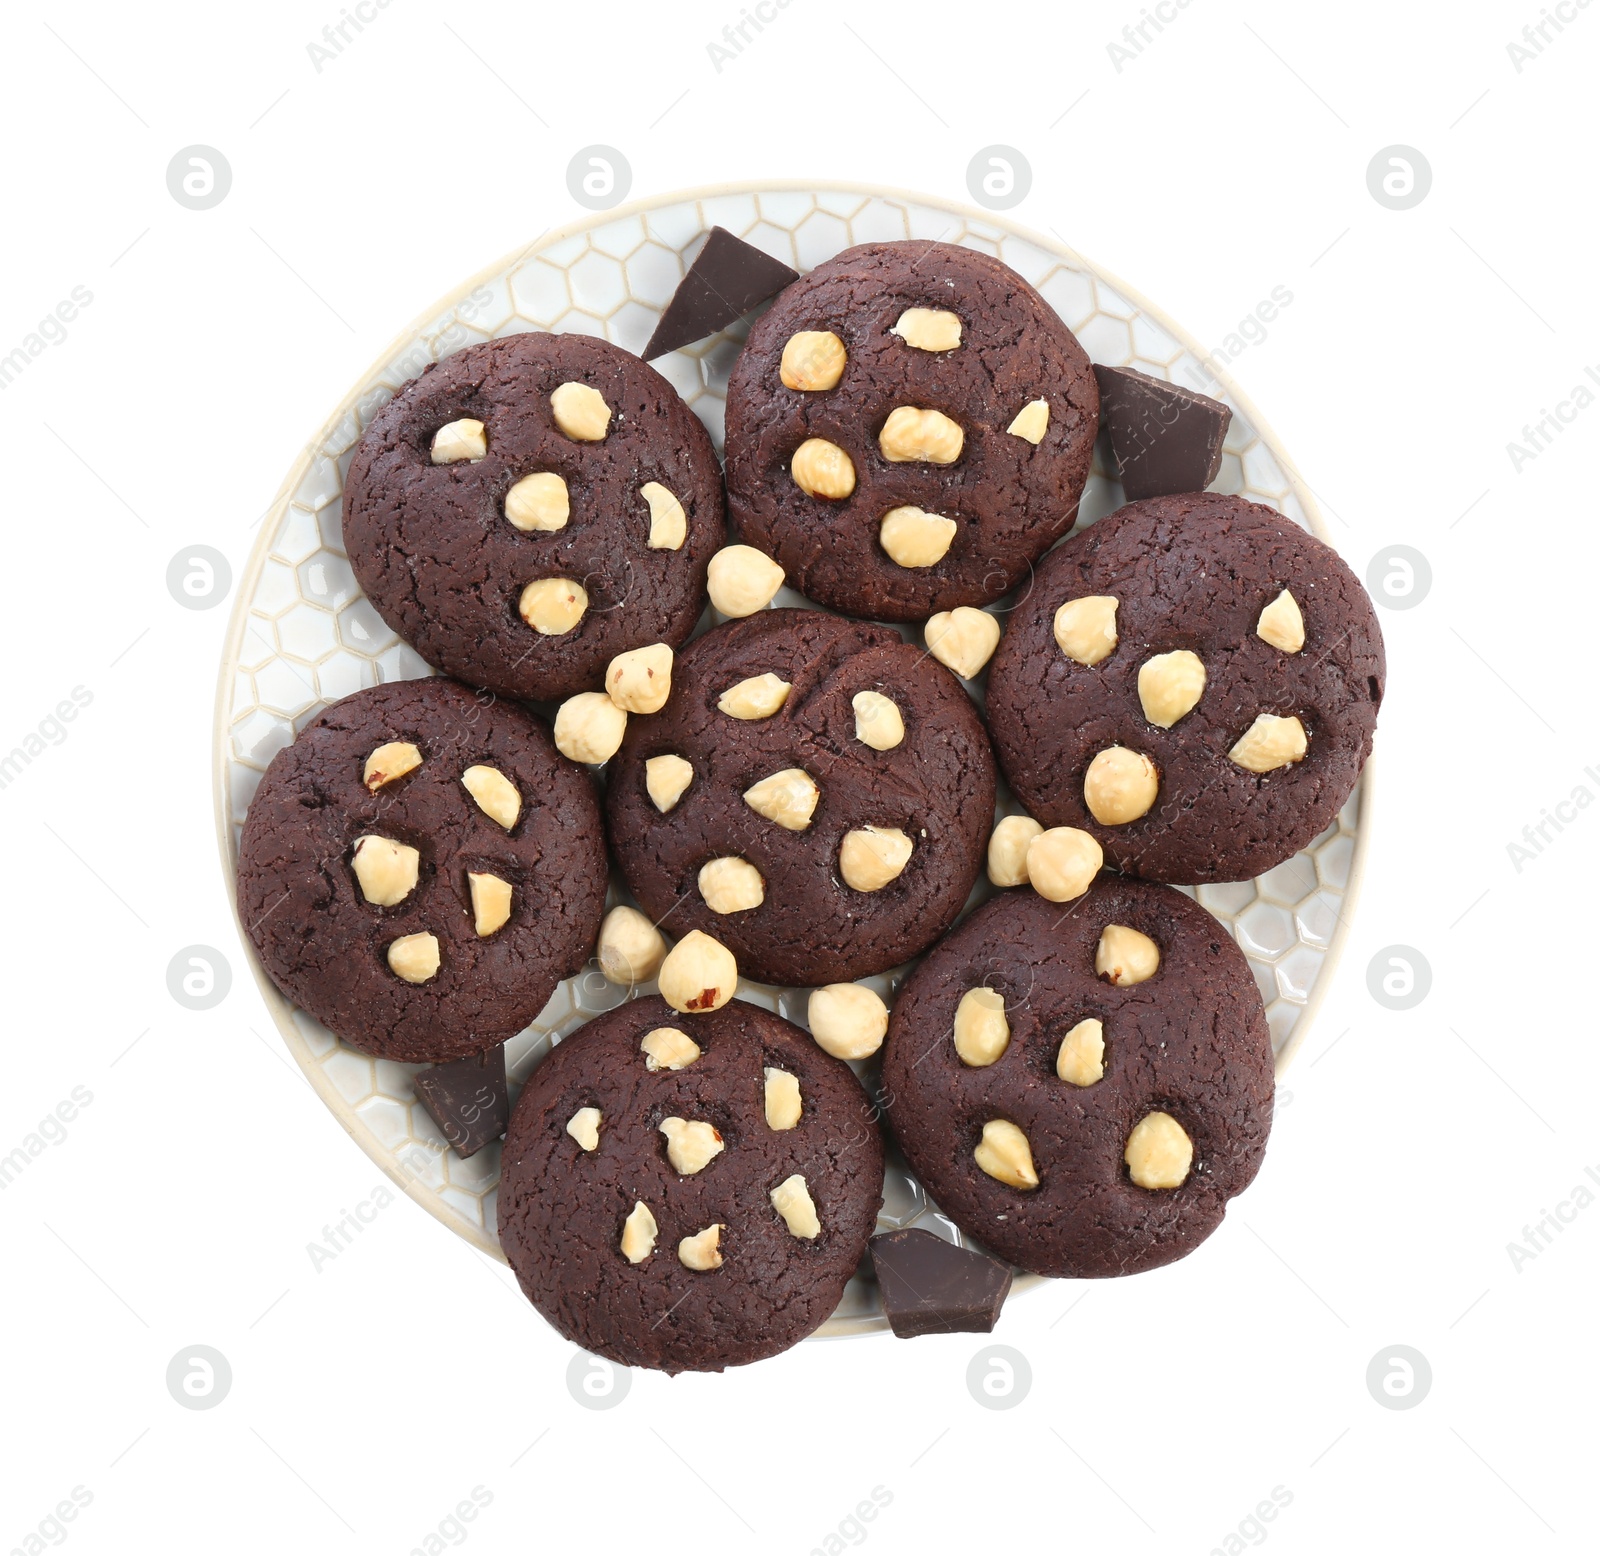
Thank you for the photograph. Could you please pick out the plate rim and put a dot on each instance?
(280, 1009)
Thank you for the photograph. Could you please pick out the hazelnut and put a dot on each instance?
(929, 436)
(1270, 743)
(1159, 1152)
(981, 1030)
(1120, 786)
(742, 580)
(731, 885)
(788, 798)
(823, 469)
(666, 1048)
(781, 1098)
(1063, 862)
(1125, 957)
(639, 1233)
(1086, 628)
(385, 869)
(691, 1146)
(552, 606)
(580, 412)
(392, 760)
(494, 794)
(630, 948)
(1080, 1060)
(1031, 422)
(699, 973)
(457, 440)
(584, 1127)
(1004, 1154)
(538, 502)
(414, 957)
(700, 1252)
(963, 639)
(640, 680)
(928, 329)
(665, 779)
(669, 524)
(1282, 625)
(878, 721)
(1008, 850)
(589, 727)
(915, 538)
(812, 360)
(792, 1200)
(871, 857)
(847, 1020)
(491, 902)
(1170, 685)
(758, 697)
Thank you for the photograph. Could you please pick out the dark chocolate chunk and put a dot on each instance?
(467, 1099)
(1164, 438)
(728, 278)
(929, 1286)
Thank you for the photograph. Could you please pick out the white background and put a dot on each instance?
(1227, 158)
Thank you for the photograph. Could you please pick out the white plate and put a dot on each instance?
(302, 635)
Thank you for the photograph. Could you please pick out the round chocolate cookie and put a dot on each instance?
(1195, 680)
(817, 795)
(534, 457)
(966, 412)
(1137, 1109)
(689, 1192)
(420, 869)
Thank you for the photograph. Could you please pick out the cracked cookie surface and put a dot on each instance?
(1192, 575)
(310, 915)
(1008, 496)
(933, 787)
(565, 1203)
(434, 550)
(1189, 1042)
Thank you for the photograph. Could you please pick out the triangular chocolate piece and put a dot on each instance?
(929, 1286)
(1163, 437)
(727, 279)
(467, 1099)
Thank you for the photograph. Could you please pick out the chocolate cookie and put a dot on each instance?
(816, 795)
(1074, 1123)
(553, 460)
(1195, 680)
(420, 869)
(689, 1192)
(908, 428)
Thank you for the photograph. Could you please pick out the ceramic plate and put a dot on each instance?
(302, 634)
